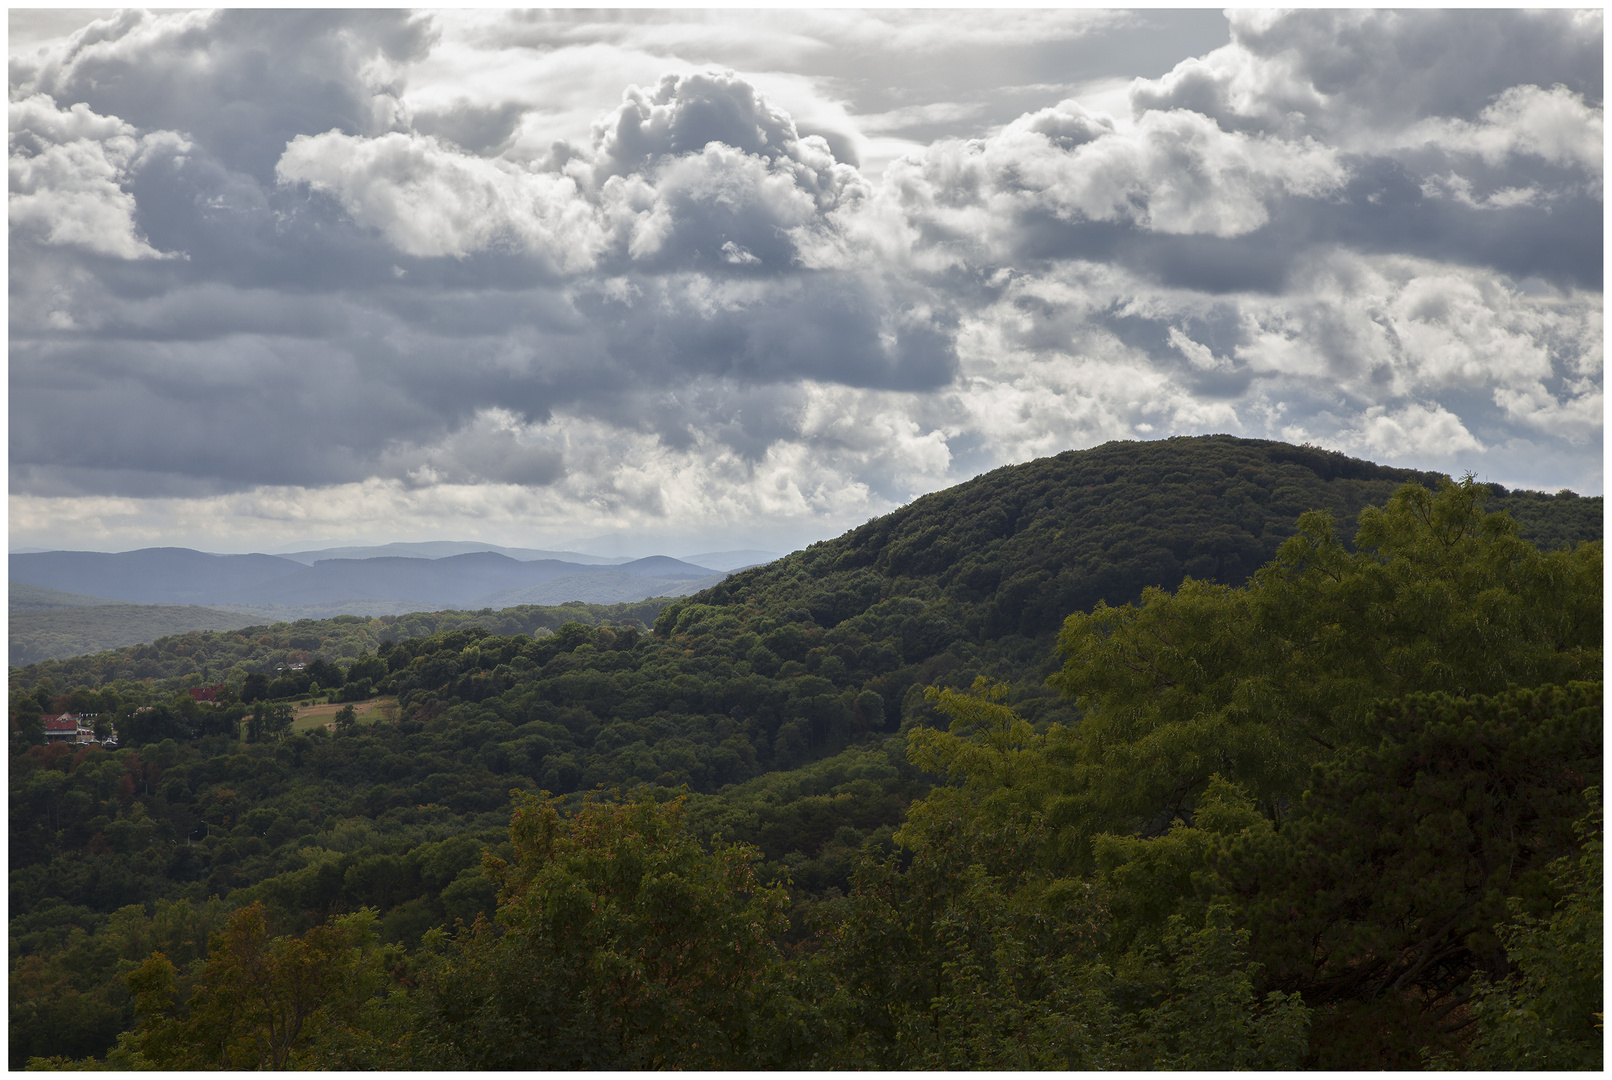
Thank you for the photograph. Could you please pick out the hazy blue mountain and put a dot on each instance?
(151, 575)
(442, 549)
(369, 607)
(663, 566)
(732, 560)
(385, 585)
(428, 582)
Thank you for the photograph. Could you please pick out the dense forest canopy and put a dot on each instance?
(1202, 753)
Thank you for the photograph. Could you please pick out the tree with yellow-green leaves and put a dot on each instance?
(265, 1002)
(620, 942)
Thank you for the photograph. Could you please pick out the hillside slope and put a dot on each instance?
(75, 631)
(1016, 550)
(38, 598)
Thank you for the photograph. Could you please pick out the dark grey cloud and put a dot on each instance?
(240, 81)
(1382, 209)
(322, 297)
(831, 327)
(885, 59)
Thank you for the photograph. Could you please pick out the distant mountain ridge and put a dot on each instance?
(716, 561)
(468, 580)
(164, 575)
(442, 549)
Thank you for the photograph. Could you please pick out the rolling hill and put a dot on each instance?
(37, 598)
(75, 631)
(1014, 551)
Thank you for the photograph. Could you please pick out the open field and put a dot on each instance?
(312, 716)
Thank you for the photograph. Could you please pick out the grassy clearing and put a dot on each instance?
(313, 716)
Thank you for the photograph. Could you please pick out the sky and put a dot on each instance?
(671, 281)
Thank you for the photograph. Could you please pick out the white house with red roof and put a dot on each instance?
(70, 727)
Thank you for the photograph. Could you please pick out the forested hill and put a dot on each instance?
(1089, 867)
(1018, 549)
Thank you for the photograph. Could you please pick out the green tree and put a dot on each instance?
(1547, 1012)
(976, 950)
(1385, 894)
(255, 687)
(1203, 1011)
(27, 727)
(268, 722)
(620, 943)
(940, 964)
(1005, 778)
(1257, 684)
(322, 673)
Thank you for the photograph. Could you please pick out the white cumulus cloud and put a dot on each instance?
(67, 173)
(1555, 125)
(430, 200)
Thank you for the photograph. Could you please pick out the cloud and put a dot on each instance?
(495, 447)
(1197, 355)
(240, 82)
(67, 172)
(1415, 432)
(682, 116)
(1554, 125)
(1062, 181)
(1179, 173)
(671, 178)
(429, 200)
(574, 273)
(1358, 78)
(911, 116)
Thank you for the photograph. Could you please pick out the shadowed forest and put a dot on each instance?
(1205, 753)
